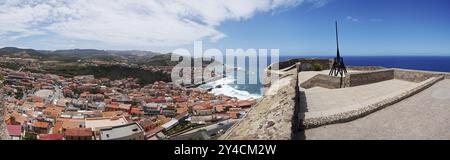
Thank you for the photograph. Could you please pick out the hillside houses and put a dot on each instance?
(90, 108)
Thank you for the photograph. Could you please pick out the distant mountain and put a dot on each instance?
(105, 55)
(21, 53)
(74, 55)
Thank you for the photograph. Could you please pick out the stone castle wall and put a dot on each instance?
(364, 68)
(371, 76)
(307, 64)
(417, 76)
(363, 78)
(324, 81)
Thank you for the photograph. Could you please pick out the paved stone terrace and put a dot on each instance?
(322, 99)
(422, 116)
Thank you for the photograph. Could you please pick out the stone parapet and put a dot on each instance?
(363, 78)
(417, 76)
(307, 64)
(325, 81)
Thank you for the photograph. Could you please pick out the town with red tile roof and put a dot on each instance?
(52, 107)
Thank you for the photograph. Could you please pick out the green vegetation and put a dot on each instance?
(94, 90)
(12, 66)
(317, 67)
(112, 72)
(76, 91)
(160, 60)
(29, 136)
(19, 94)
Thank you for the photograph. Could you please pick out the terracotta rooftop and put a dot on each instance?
(53, 111)
(57, 128)
(40, 124)
(78, 132)
(14, 130)
(50, 137)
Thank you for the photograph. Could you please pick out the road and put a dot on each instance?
(425, 115)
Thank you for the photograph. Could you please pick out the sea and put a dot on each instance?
(228, 85)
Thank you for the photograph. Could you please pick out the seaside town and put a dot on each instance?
(51, 107)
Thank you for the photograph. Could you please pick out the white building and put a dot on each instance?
(131, 131)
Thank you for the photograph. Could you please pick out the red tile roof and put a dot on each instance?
(58, 127)
(14, 130)
(78, 132)
(50, 137)
(53, 111)
(202, 106)
(40, 124)
(136, 111)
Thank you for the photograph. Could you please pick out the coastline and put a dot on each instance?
(226, 86)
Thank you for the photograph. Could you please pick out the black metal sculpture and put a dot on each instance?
(338, 67)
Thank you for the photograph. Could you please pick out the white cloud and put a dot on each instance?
(149, 23)
(353, 19)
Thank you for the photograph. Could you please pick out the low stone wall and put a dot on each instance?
(324, 81)
(311, 120)
(374, 75)
(363, 78)
(307, 64)
(417, 76)
(351, 79)
(364, 68)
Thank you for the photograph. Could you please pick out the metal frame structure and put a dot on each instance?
(338, 67)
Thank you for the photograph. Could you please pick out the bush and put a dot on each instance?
(317, 67)
(29, 136)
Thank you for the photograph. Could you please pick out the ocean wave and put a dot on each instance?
(228, 88)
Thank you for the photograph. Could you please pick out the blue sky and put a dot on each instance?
(296, 27)
(376, 27)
